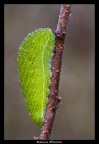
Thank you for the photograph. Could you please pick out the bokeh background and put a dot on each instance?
(75, 118)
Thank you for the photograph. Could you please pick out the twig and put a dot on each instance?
(56, 68)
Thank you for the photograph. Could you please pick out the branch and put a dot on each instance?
(56, 68)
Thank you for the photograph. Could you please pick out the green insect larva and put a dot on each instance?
(34, 70)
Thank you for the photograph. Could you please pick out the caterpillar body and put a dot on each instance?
(34, 71)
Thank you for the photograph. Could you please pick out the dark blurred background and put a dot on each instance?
(75, 116)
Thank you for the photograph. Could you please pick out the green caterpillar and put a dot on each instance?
(34, 70)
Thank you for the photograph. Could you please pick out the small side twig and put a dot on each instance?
(56, 68)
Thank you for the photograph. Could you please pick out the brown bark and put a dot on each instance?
(56, 69)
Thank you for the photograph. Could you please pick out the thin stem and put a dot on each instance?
(56, 69)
